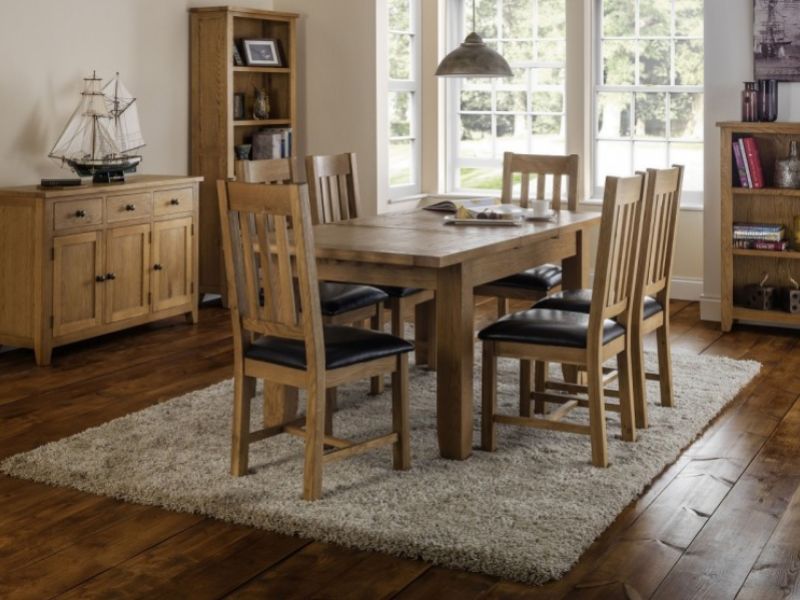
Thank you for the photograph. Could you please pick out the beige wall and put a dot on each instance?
(48, 46)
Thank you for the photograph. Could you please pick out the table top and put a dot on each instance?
(420, 237)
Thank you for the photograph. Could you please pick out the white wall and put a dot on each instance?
(48, 46)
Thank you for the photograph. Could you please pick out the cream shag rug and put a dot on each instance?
(525, 512)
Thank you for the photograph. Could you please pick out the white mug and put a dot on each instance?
(540, 208)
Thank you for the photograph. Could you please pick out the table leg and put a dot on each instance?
(575, 276)
(454, 350)
(425, 334)
(280, 404)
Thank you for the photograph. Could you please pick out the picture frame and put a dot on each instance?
(237, 56)
(776, 27)
(261, 53)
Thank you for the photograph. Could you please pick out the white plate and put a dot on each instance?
(452, 220)
(530, 217)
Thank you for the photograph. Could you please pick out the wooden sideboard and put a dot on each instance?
(80, 262)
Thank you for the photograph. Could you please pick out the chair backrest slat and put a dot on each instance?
(269, 226)
(617, 254)
(276, 170)
(333, 187)
(539, 167)
(660, 221)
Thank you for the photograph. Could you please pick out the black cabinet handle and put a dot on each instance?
(130, 207)
(157, 267)
(100, 278)
(174, 202)
(80, 213)
(111, 276)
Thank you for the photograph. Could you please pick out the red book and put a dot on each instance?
(754, 162)
(740, 143)
(739, 161)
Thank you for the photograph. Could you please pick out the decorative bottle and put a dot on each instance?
(261, 104)
(787, 170)
(750, 102)
(767, 100)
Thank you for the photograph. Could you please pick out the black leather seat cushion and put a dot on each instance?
(581, 301)
(344, 346)
(338, 298)
(398, 292)
(548, 327)
(542, 278)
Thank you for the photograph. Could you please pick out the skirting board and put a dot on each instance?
(683, 288)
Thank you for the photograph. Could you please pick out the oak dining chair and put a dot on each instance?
(535, 169)
(335, 196)
(282, 340)
(584, 340)
(650, 312)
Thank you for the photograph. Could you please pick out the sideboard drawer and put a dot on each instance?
(128, 206)
(169, 202)
(77, 213)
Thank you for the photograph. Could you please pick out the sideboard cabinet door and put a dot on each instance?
(78, 280)
(172, 267)
(128, 277)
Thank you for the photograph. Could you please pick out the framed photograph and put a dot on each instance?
(261, 53)
(776, 29)
(237, 57)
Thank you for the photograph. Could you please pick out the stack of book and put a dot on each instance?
(759, 236)
(748, 162)
(272, 143)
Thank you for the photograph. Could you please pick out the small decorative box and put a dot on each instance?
(759, 297)
(789, 300)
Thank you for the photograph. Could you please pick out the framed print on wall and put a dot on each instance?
(776, 30)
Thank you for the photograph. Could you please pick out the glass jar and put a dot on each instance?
(767, 100)
(750, 102)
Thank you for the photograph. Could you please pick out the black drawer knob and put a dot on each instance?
(80, 213)
(157, 267)
(130, 207)
(174, 202)
(111, 276)
(100, 278)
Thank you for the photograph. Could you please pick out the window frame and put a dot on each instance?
(453, 111)
(689, 199)
(413, 86)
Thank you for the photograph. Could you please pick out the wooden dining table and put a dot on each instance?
(416, 249)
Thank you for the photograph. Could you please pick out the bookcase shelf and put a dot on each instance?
(275, 70)
(261, 122)
(769, 204)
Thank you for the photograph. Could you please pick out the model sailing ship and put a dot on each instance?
(102, 133)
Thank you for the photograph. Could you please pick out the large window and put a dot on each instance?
(404, 97)
(649, 89)
(524, 114)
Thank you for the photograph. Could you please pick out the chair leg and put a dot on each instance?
(502, 307)
(400, 417)
(376, 383)
(524, 388)
(398, 307)
(539, 385)
(664, 362)
(597, 413)
(431, 325)
(626, 399)
(315, 436)
(638, 380)
(488, 398)
(244, 388)
(330, 408)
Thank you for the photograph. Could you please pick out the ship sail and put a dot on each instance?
(122, 108)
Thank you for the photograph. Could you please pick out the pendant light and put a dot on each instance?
(473, 58)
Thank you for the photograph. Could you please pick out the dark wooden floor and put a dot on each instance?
(723, 521)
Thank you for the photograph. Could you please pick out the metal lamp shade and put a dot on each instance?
(473, 58)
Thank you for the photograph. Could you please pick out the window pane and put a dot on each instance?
(655, 18)
(547, 102)
(512, 135)
(480, 179)
(651, 115)
(552, 51)
(688, 62)
(399, 15)
(400, 110)
(512, 101)
(618, 18)
(691, 157)
(473, 100)
(614, 115)
(552, 23)
(401, 163)
(486, 17)
(654, 62)
(476, 136)
(686, 116)
(400, 56)
(548, 76)
(547, 125)
(613, 158)
(649, 155)
(689, 18)
(518, 51)
(618, 62)
(517, 19)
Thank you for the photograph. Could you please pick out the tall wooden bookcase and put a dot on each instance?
(766, 205)
(214, 132)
